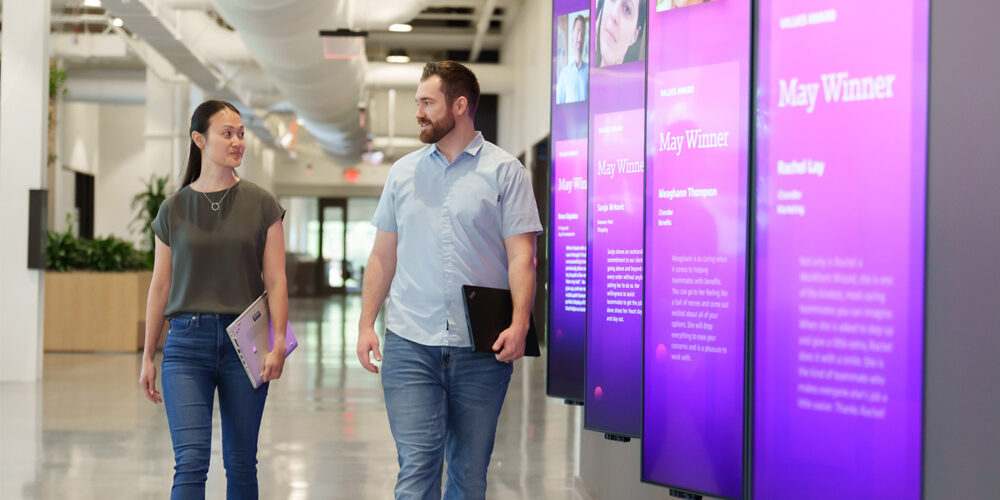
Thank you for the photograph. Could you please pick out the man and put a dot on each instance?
(571, 85)
(459, 211)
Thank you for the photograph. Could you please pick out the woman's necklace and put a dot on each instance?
(216, 205)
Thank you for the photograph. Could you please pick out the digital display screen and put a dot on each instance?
(568, 206)
(697, 151)
(841, 182)
(613, 401)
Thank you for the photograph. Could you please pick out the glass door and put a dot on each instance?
(333, 269)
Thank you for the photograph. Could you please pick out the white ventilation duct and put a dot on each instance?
(284, 38)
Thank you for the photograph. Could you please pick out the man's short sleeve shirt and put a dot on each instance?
(451, 221)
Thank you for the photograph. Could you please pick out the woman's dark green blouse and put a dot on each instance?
(217, 256)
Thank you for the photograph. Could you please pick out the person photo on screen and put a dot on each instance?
(459, 211)
(571, 84)
(619, 32)
(662, 5)
(219, 245)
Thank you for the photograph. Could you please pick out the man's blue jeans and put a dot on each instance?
(443, 404)
(199, 358)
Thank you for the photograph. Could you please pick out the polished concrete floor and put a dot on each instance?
(86, 431)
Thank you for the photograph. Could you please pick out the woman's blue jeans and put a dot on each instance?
(199, 358)
(443, 404)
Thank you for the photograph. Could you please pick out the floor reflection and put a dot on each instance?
(87, 432)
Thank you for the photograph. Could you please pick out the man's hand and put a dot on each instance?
(368, 346)
(510, 344)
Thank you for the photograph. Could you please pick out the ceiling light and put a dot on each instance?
(397, 56)
(91, 3)
(401, 28)
(117, 22)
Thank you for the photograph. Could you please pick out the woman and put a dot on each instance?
(219, 245)
(619, 31)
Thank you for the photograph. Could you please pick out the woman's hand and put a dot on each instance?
(147, 380)
(274, 363)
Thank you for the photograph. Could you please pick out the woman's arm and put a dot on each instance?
(156, 302)
(277, 297)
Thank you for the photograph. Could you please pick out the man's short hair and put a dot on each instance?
(581, 20)
(456, 81)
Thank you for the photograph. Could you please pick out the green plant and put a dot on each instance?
(57, 82)
(63, 251)
(66, 252)
(147, 205)
(112, 254)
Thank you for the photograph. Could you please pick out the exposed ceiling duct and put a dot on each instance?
(158, 28)
(493, 78)
(284, 38)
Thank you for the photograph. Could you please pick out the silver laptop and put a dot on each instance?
(253, 337)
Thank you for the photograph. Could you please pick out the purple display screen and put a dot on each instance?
(567, 318)
(697, 151)
(613, 401)
(841, 165)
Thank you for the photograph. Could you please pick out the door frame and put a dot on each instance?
(322, 283)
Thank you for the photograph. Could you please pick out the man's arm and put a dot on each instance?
(521, 275)
(378, 276)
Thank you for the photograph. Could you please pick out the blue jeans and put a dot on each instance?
(443, 404)
(199, 358)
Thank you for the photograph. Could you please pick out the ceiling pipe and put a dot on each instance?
(188, 4)
(493, 78)
(284, 38)
(213, 42)
(482, 25)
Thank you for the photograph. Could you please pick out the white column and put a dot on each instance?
(167, 120)
(23, 142)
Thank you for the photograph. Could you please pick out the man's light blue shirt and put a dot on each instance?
(451, 222)
(571, 85)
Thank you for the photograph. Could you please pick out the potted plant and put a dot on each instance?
(147, 205)
(95, 294)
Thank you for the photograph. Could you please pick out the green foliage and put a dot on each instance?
(57, 82)
(146, 204)
(63, 251)
(66, 252)
(112, 254)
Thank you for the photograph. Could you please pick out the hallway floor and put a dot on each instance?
(86, 431)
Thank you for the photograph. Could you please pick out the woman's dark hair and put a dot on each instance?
(199, 123)
(635, 51)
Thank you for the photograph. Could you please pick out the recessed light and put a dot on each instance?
(401, 28)
(397, 56)
(118, 22)
(91, 3)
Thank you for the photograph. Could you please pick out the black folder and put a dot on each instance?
(488, 312)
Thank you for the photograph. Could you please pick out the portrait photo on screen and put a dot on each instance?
(574, 57)
(662, 5)
(619, 32)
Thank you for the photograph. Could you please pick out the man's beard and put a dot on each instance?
(437, 130)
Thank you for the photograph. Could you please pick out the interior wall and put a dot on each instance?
(962, 416)
(610, 469)
(77, 129)
(122, 169)
(524, 114)
(258, 164)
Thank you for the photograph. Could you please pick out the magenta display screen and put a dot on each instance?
(841, 177)
(567, 318)
(697, 151)
(614, 240)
